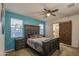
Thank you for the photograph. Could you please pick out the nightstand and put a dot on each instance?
(20, 43)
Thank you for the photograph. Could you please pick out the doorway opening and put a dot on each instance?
(63, 30)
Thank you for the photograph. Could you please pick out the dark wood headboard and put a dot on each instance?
(31, 30)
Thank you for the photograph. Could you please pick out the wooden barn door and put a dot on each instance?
(65, 32)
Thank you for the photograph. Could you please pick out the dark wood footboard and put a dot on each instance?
(50, 46)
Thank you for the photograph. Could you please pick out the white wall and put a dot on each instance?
(1, 41)
(49, 29)
(1, 37)
(75, 28)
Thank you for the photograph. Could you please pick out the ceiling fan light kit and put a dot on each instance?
(48, 14)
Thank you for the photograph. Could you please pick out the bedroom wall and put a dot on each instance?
(49, 29)
(1, 41)
(1, 36)
(75, 28)
(9, 42)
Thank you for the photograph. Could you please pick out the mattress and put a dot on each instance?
(36, 43)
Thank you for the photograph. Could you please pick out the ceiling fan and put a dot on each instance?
(45, 11)
(48, 12)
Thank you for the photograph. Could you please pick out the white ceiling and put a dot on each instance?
(34, 9)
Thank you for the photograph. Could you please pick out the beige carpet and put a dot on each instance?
(64, 51)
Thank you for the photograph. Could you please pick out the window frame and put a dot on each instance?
(41, 29)
(15, 29)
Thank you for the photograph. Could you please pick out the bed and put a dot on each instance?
(43, 45)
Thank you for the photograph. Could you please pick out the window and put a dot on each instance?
(16, 28)
(41, 29)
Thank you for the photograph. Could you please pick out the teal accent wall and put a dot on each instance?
(10, 42)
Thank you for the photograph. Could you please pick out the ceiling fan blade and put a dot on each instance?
(55, 10)
(45, 9)
(53, 14)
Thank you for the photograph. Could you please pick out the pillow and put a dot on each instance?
(40, 36)
(34, 36)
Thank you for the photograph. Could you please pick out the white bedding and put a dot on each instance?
(39, 40)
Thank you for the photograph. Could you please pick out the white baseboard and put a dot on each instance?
(6, 52)
(9, 50)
